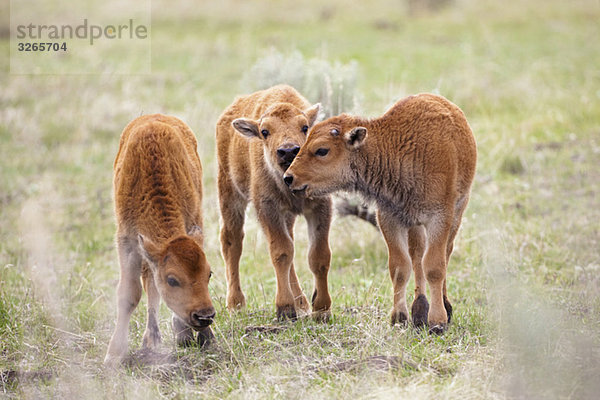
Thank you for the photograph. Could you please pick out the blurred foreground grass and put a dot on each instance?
(524, 277)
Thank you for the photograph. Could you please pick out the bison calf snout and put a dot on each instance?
(203, 318)
(287, 153)
(288, 179)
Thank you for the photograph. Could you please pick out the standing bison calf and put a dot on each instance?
(258, 137)
(417, 162)
(158, 198)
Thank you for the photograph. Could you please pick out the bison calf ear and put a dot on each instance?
(356, 137)
(246, 127)
(312, 114)
(148, 250)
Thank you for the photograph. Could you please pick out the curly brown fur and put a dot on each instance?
(158, 198)
(258, 136)
(417, 163)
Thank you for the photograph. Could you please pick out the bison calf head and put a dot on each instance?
(181, 274)
(323, 164)
(282, 128)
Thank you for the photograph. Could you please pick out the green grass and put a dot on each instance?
(524, 277)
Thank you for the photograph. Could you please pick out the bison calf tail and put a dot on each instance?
(345, 206)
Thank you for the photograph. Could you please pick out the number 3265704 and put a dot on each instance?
(42, 46)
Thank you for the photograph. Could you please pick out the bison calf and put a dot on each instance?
(417, 162)
(158, 197)
(258, 137)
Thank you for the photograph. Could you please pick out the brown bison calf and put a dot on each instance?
(158, 197)
(258, 137)
(417, 162)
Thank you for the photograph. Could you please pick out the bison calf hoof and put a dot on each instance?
(236, 303)
(419, 311)
(112, 361)
(399, 317)
(286, 312)
(321, 305)
(151, 340)
(205, 337)
(438, 329)
(448, 308)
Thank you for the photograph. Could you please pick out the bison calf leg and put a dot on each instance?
(460, 206)
(281, 254)
(318, 219)
(232, 236)
(447, 304)
(129, 292)
(152, 334)
(416, 248)
(281, 248)
(399, 263)
(300, 300)
(434, 263)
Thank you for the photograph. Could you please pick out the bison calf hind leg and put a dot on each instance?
(286, 312)
(448, 308)
(419, 311)
(399, 262)
(398, 317)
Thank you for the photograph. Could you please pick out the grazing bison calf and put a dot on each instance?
(258, 137)
(417, 162)
(158, 196)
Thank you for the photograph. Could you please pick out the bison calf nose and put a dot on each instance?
(288, 179)
(203, 317)
(287, 152)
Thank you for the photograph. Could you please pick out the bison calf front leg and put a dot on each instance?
(300, 300)
(129, 293)
(319, 256)
(282, 254)
(233, 207)
(281, 248)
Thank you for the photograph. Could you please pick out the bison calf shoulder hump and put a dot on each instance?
(417, 162)
(158, 199)
(258, 136)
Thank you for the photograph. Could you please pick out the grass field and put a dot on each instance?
(524, 278)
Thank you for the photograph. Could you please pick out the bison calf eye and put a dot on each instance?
(265, 133)
(172, 281)
(321, 152)
(305, 128)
